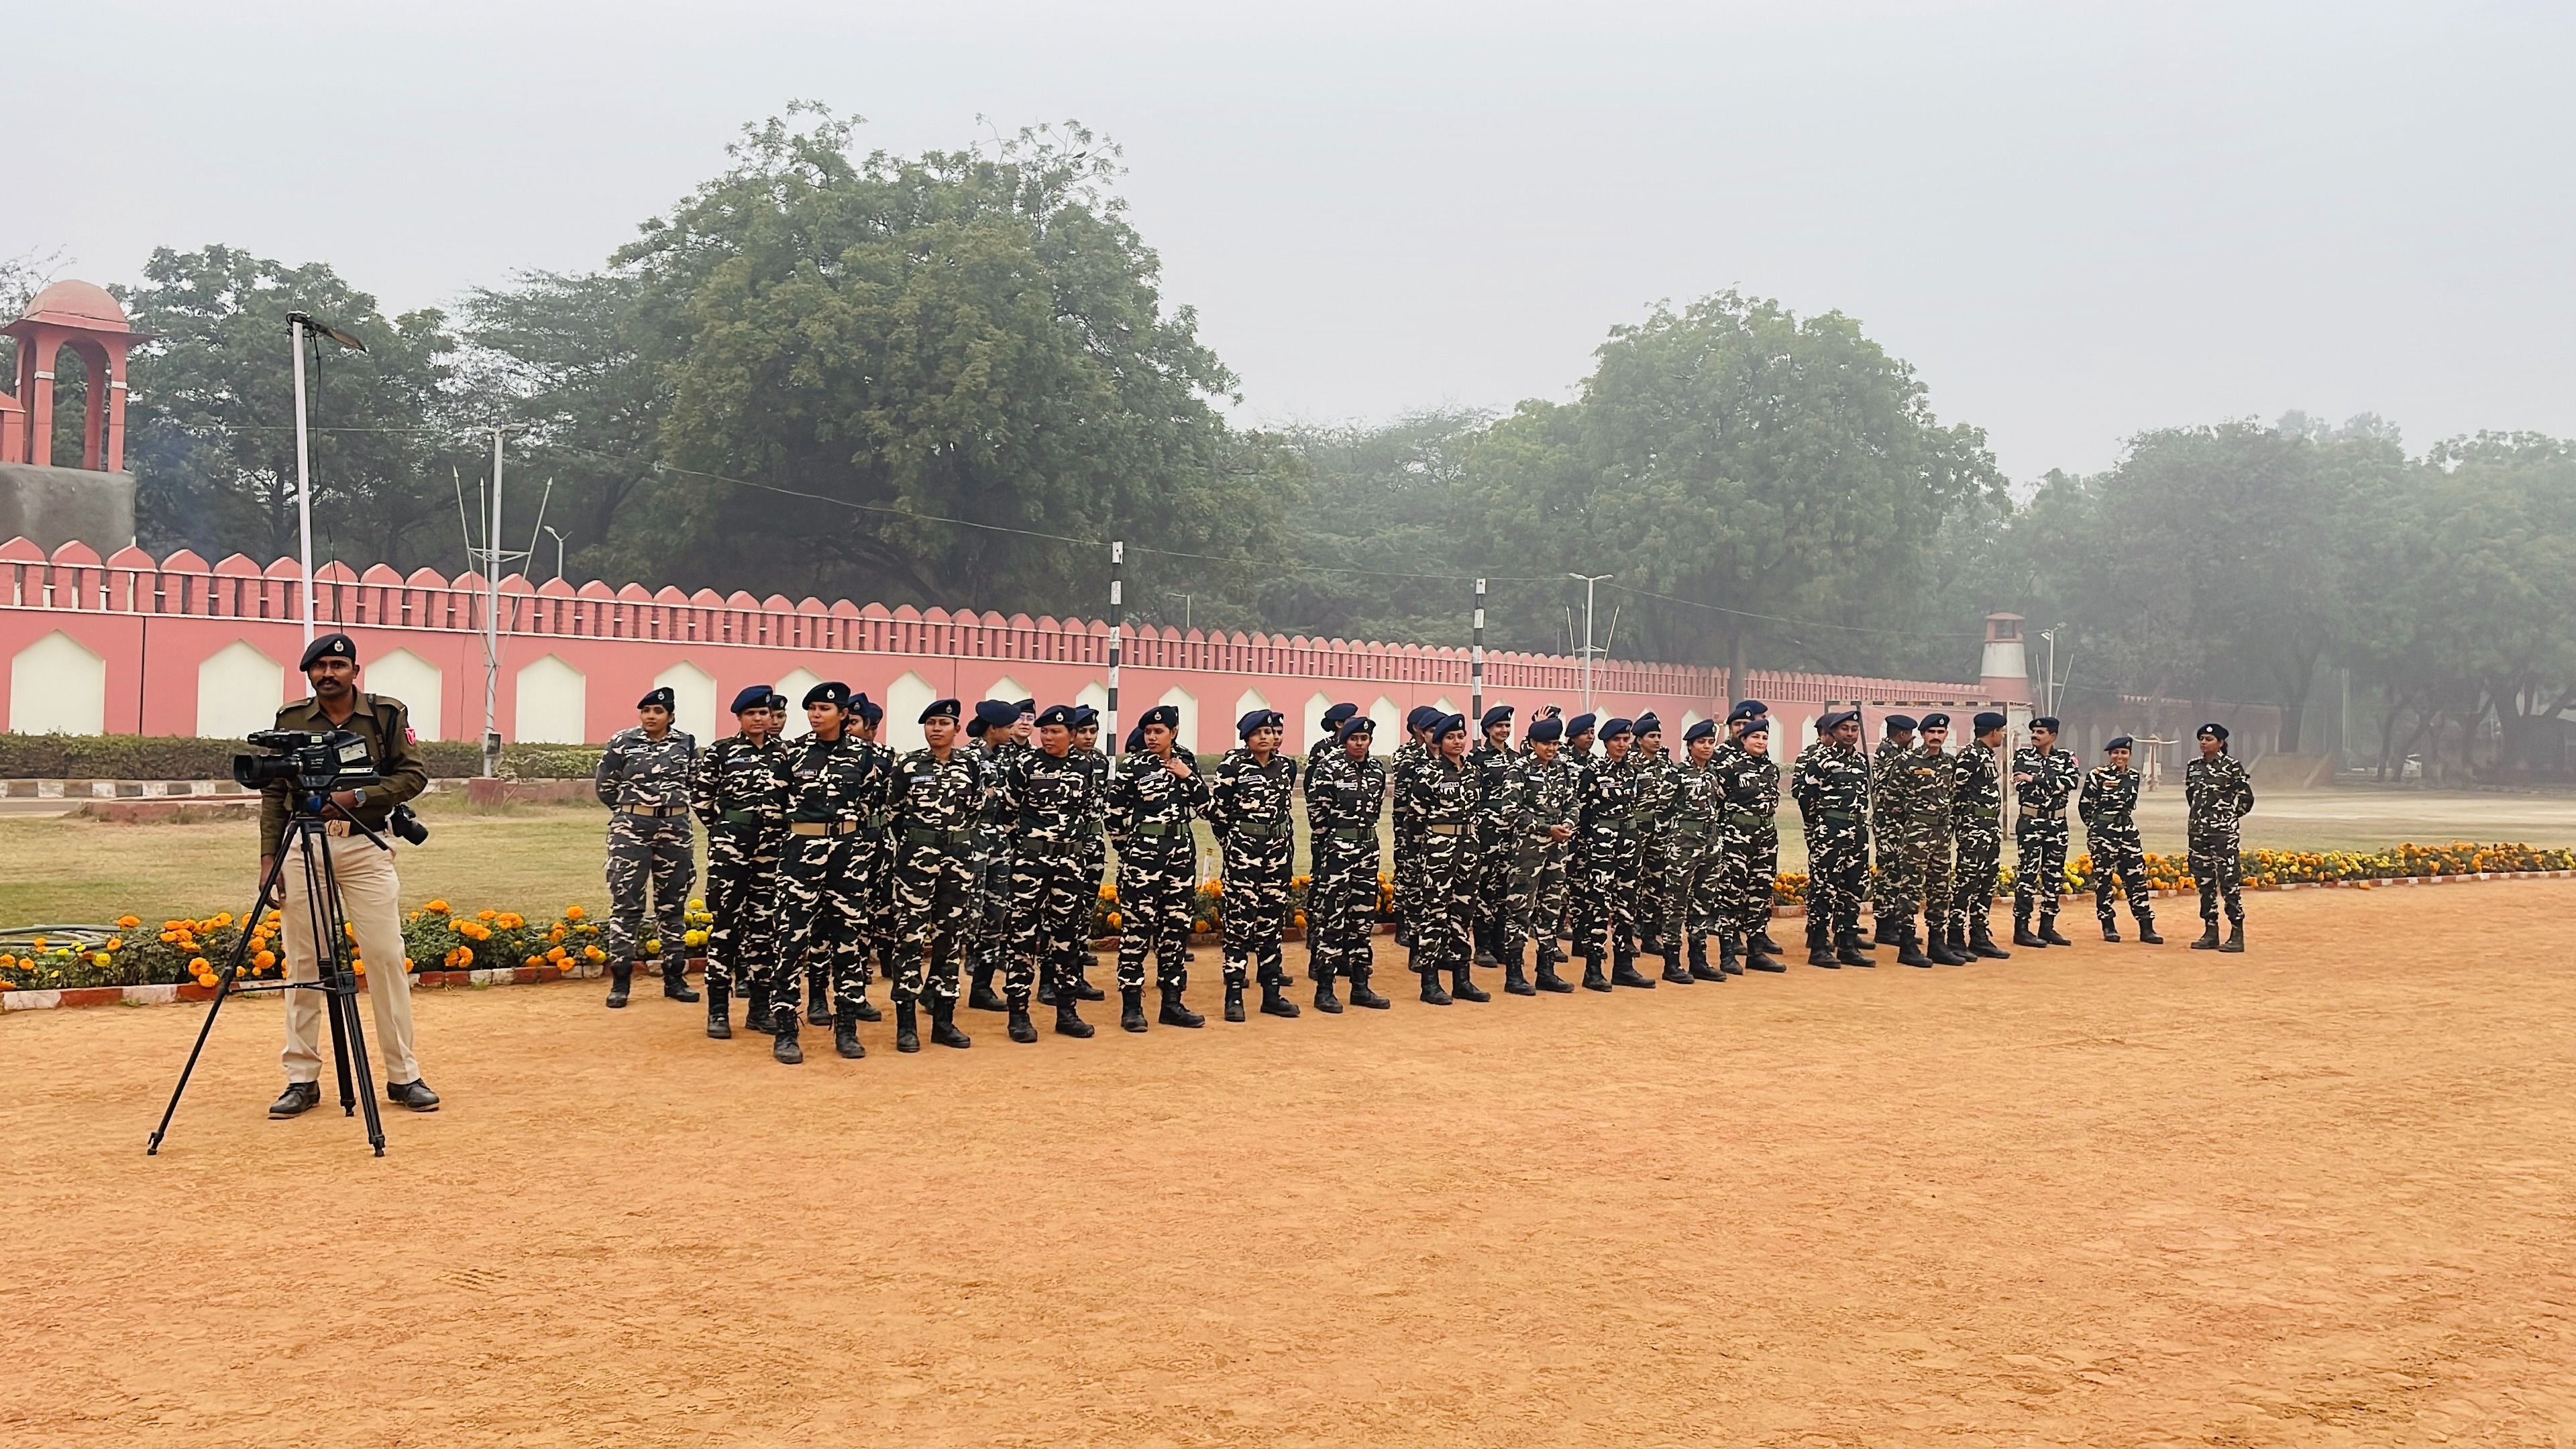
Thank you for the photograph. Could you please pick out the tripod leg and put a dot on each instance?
(322, 906)
(223, 989)
(348, 1037)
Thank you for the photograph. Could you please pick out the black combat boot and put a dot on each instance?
(1909, 948)
(1275, 1002)
(1942, 946)
(1887, 928)
(2048, 932)
(1593, 979)
(2111, 929)
(1361, 995)
(1820, 951)
(2208, 935)
(2021, 932)
(1325, 1001)
(755, 1011)
(1175, 1013)
(1462, 985)
(2147, 929)
(621, 979)
(719, 1014)
(1233, 1002)
(1516, 980)
(1046, 986)
(1757, 959)
(1624, 972)
(982, 998)
(845, 1032)
(1432, 995)
(1820, 937)
(1956, 943)
(943, 1026)
(1131, 1008)
(1485, 949)
(1548, 981)
(1700, 970)
(1849, 953)
(1404, 932)
(1068, 1021)
(866, 1009)
(1673, 972)
(1762, 942)
(818, 997)
(1020, 1028)
(782, 1037)
(2235, 937)
(675, 981)
(907, 1028)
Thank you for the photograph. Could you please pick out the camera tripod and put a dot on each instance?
(335, 979)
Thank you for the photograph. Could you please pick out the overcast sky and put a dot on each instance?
(2076, 221)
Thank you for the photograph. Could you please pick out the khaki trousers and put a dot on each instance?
(371, 898)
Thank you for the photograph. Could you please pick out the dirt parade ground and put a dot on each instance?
(2322, 1193)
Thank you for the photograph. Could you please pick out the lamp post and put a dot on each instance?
(300, 326)
(1589, 580)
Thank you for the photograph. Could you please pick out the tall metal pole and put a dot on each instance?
(303, 472)
(492, 624)
(1476, 662)
(1117, 617)
(1588, 581)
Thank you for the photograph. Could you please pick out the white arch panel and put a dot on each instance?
(905, 699)
(554, 701)
(415, 681)
(56, 686)
(238, 691)
(1186, 705)
(693, 693)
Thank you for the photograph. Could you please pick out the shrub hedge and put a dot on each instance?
(181, 757)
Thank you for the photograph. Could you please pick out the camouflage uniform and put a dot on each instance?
(1605, 844)
(646, 782)
(1150, 810)
(1832, 791)
(937, 806)
(1343, 799)
(829, 885)
(1443, 799)
(1895, 792)
(996, 936)
(1691, 850)
(1253, 809)
(1648, 865)
(1408, 757)
(740, 794)
(2219, 794)
(1501, 829)
(1938, 773)
(1750, 855)
(1053, 806)
(2039, 833)
(1977, 819)
(2108, 807)
(1555, 789)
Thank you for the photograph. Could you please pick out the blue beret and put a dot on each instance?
(2210, 731)
(1025, 706)
(1422, 717)
(1085, 717)
(1057, 714)
(997, 713)
(1836, 719)
(1259, 719)
(1333, 717)
(1581, 724)
(2048, 722)
(1705, 730)
(831, 691)
(1357, 724)
(1987, 720)
(1448, 724)
(947, 709)
(1162, 714)
(2119, 742)
(662, 696)
(1612, 729)
(1758, 724)
(865, 708)
(754, 696)
(1746, 709)
(1499, 714)
(328, 646)
(1936, 721)
(1649, 724)
(1897, 722)
(1546, 730)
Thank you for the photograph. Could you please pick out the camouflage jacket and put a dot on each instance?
(1932, 777)
(1893, 791)
(2110, 800)
(1606, 802)
(927, 794)
(1343, 794)
(1832, 787)
(1502, 791)
(738, 783)
(1555, 793)
(2043, 781)
(1751, 788)
(638, 770)
(1052, 803)
(1250, 800)
(1976, 790)
(843, 781)
(1148, 802)
(1399, 769)
(1698, 791)
(2219, 792)
(1442, 794)
(1658, 783)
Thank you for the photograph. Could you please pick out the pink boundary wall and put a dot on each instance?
(162, 617)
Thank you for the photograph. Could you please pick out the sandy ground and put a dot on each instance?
(2323, 1193)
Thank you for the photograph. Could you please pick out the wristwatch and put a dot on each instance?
(362, 795)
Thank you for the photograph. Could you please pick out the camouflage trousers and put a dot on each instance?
(1897, 890)
(1693, 887)
(742, 896)
(1408, 873)
(1749, 870)
(2039, 865)
(2217, 862)
(1257, 872)
(649, 853)
(1444, 926)
(997, 932)
(1052, 900)
(1156, 882)
(934, 916)
(827, 889)
(1837, 873)
(1341, 904)
(2119, 862)
(1980, 870)
(1543, 866)
(1502, 873)
(1939, 881)
(1603, 909)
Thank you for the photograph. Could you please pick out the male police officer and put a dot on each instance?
(739, 792)
(2109, 809)
(1252, 797)
(370, 893)
(1345, 794)
(643, 778)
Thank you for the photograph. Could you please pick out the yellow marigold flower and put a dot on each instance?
(129, 922)
(697, 905)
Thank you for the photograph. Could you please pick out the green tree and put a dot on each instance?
(1376, 545)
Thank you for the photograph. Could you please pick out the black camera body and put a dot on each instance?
(312, 762)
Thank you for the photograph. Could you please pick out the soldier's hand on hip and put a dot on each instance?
(1175, 765)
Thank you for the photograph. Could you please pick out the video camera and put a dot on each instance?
(314, 762)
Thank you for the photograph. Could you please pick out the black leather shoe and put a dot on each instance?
(1768, 946)
(982, 998)
(2111, 932)
(1325, 1001)
(621, 983)
(867, 1010)
(2235, 938)
(1083, 990)
(1910, 954)
(298, 1099)
(2147, 932)
(1593, 977)
(2208, 938)
(415, 1095)
(1362, 996)
(783, 1046)
(1755, 959)
(1432, 995)
(1824, 956)
(719, 1014)
(1068, 1021)
(2048, 933)
(1463, 987)
(1624, 972)
(2022, 936)
(1981, 942)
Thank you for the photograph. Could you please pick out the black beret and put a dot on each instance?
(947, 709)
(329, 646)
(662, 696)
(1746, 709)
(1085, 717)
(1333, 717)
(1613, 728)
(2214, 731)
(1581, 724)
(754, 696)
(1988, 720)
(997, 713)
(1758, 724)
(1899, 723)
(777, 701)
(1357, 724)
(1705, 730)
(1836, 719)
(2119, 742)
(866, 709)
(1936, 721)
(1447, 725)
(1499, 714)
(1259, 719)
(2046, 722)
(1057, 714)
(1649, 724)
(831, 691)
(1025, 706)
(1161, 714)
(1546, 731)
(1422, 717)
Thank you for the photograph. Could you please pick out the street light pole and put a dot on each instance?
(1589, 580)
(295, 322)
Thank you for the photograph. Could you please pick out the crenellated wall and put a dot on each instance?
(134, 644)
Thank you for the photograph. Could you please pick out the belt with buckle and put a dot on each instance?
(1445, 829)
(923, 835)
(1352, 833)
(649, 809)
(822, 827)
(338, 829)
